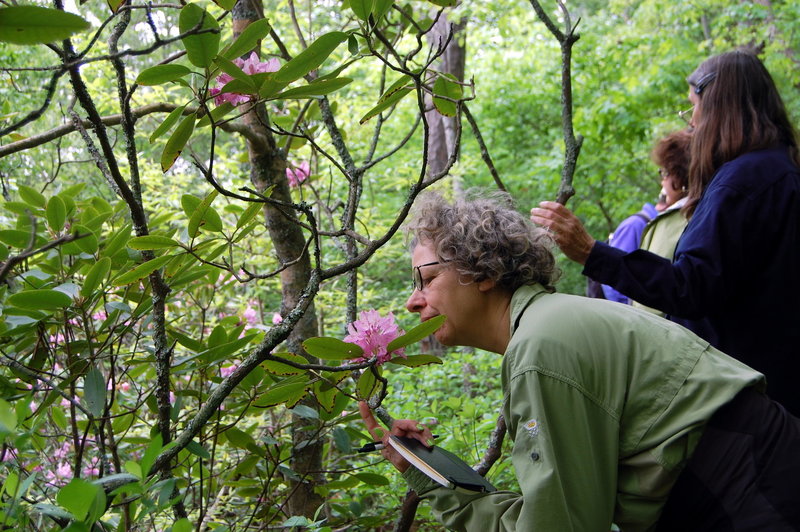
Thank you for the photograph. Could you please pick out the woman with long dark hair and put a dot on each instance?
(734, 278)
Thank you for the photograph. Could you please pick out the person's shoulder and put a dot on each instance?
(758, 170)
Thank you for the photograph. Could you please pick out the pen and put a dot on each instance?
(376, 446)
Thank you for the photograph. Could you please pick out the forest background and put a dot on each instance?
(176, 287)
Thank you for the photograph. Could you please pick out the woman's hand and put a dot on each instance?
(401, 427)
(568, 232)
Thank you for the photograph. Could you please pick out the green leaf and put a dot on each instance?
(15, 238)
(331, 348)
(177, 141)
(403, 82)
(56, 214)
(305, 412)
(233, 70)
(216, 114)
(8, 418)
(77, 497)
(205, 215)
(362, 8)
(198, 450)
(239, 438)
(160, 74)
(94, 392)
(277, 368)
(183, 524)
(310, 58)
(444, 3)
(342, 440)
(35, 25)
(248, 39)
(317, 88)
(167, 124)
(381, 8)
(288, 392)
(367, 384)
(372, 479)
(142, 270)
(417, 333)
(227, 5)
(95, 276)
(201, 48)
(31, 196)
(385, 104)
(249, 214)
(415, 361)
(40, 300)
(116, 242)
(152, 242)
(449, 88)
(87, 242)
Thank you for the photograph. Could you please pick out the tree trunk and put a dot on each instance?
(268, 168)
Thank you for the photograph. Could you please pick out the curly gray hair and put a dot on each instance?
(484, 238)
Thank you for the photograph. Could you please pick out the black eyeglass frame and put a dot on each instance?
(416, 275)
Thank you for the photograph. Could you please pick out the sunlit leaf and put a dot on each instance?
(248, 215)
(142, 270)
(277, 368)
(152, 242)
(310, 58)
(233, 70)
(288, 392)
(205, 216)
(443, 86)
(385, 104)
(160, 74)
(331, 348)
(362, 8)
(77, 497)
(177, 141)
(40, 299)
(114, 5)
(373, 479)
(444, 3)
(226, 5)
(367, 384)
(117, 241)
(216, 114)
(34, 25)
(201, 48)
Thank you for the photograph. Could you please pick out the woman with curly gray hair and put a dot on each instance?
(617, 416)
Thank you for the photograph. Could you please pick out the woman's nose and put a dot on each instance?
(415, 301)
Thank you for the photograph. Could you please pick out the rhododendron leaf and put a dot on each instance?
(160, 74)
(318, 88)
(177, 141)
(414, 361)
(385, 104)
(450, 89)
(310, 58)
(216, 114)
(142, 270)
(201, 48)
(225, 4)
(288, 392)
(247, 40)
(42, 299)
(381, 7)
(238, 86)
(94, 392)
(331, 348)
(205, 216)
(167, 124)
(249, 214)
(95, 276)
(79, 496)
(362, 8)
(32, 197)
(56, 213)
(367, 384)
(277, 368)
(114, 5)
(444, 3)
(233, 70)
(152, 242)
(404, 82)
(417, 333)
(34, 25)
(372, 479)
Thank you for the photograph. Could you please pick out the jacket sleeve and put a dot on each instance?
(626, 237)
(709, 262)
(565, 457)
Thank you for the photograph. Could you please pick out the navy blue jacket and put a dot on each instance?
(735, 277)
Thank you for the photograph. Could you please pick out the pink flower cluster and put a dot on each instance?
(249, 66)
(373, 334)
(298, 174)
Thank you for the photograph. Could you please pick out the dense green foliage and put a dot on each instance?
(98, 363)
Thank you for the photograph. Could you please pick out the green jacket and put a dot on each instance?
(660, 236)
(604, 404)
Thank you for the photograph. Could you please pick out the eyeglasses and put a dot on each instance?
(686, 115)
(662, 173)
(416, 275)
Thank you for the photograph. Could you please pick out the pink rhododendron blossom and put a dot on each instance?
(298, 174)
(276, 318)
(226, 371)
(373, 333)
(250, 315)
(249, 66)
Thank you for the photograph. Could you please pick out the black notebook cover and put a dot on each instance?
(440, 465)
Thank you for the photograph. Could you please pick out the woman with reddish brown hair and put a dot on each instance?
(734, 278)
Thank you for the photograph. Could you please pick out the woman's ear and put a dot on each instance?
(486, 285)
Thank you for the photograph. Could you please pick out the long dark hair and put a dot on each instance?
(740, 111)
